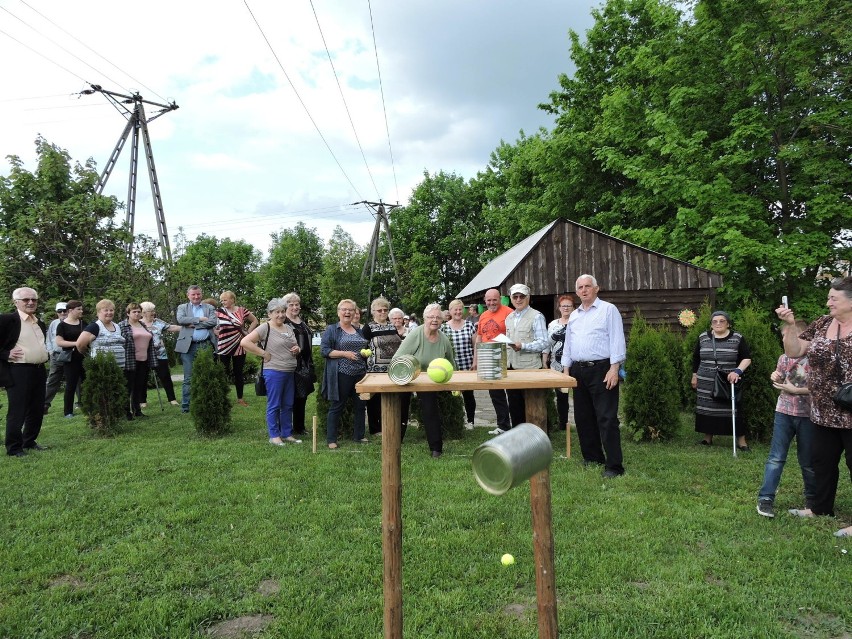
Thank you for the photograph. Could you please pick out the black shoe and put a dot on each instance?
(46, 409)
(436, 454)
(704, 442)
(129, 417)
(609, 474)
(18, 453)
(765, 508)
(139, 414)
(37, 447)
(744, 449)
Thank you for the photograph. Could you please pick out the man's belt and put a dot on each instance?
(592, 362)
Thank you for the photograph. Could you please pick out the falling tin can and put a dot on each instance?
(511, 458)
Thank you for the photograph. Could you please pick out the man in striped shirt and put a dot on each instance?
(594, 349)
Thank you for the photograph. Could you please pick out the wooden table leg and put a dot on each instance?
(392, 514)
(543, 553)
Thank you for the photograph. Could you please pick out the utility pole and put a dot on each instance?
(132, 107)
(381, 211)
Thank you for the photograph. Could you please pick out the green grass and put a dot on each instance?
(160, 533)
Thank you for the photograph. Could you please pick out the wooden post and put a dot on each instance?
(315, 434)
(392, 514)
(543, 551)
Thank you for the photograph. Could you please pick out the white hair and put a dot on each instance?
(395, 311)
(587, 276)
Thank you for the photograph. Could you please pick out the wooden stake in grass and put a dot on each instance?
(315, 434)
(568, 440)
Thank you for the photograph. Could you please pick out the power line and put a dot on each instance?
(382, 90)
(342, 97)
(26, 46)
(70, 35)
(299, 97)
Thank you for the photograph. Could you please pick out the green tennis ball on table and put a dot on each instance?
(440, 370)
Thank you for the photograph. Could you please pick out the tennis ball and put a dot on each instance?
(507, 560)
(440, 370)
(366, 352)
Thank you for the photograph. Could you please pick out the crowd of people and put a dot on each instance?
(586, 341)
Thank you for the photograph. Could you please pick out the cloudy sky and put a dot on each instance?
(262, 138)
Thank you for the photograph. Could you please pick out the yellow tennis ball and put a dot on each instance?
(366, 352)
(507, 560)
(440, 370)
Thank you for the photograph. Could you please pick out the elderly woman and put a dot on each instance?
(275, 342)
(157, 328)
(384, 340)
(345, 366)
(461, 334)
(396, 317)
(304, 337)
(426, 343)
(556, 335)
(719, 349)
(139, 357)
(232, 328)
(828, 344)
(67, 333)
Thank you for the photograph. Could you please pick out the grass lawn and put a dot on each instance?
(160, 533)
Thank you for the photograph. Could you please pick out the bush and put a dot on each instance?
(104, 401)
(251, 368)
(757, 407)
(673, 346)
(652, 402)
(210, 406)
(451, 408)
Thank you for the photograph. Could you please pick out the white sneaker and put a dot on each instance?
(468, 426)
(496, 431)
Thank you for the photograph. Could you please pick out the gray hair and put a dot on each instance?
(585, 276)
(289, 298)
(275, 304)
(147, 307)
(432, 307)
(394, 312)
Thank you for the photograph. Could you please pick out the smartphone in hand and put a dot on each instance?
(784, 301)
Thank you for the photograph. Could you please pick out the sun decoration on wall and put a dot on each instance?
(686, 318)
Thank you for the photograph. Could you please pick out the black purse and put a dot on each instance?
(722, 388)
(843, 396)
(260, 382)
(305, 378)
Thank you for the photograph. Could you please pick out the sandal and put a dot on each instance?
(332, 446)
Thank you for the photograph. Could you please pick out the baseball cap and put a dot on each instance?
(523, 289)
(61, 306)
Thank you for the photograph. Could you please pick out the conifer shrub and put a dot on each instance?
(652, 401)
(104, 400)
(757, 406)
(210, 405)
(673, 345)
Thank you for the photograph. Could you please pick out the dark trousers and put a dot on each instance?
(431, 420)
(26, 406)
(596, 414)
(164, 374)
(345, 390)
(517, 406)
(54, 379)
(137, 387)
(828, 445)
(562, 406)
(501, 408)
(469, 405)
(234, 365)
(374, 412)
(74, 377)
(299, 414)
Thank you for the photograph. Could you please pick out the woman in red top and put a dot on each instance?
(232, 329)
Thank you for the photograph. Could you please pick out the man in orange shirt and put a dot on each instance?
(492, 322)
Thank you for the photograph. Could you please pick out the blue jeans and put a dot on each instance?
(784, 429)
(188, 359)
(280, 390)
(346, 389)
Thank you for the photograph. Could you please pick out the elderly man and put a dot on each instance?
(197, 321)
(22, 357)
(527, 329)
(472, 314)
(57, 369)
(492, 322)
(594, 349)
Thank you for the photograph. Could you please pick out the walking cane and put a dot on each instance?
(157, 384)
(734, 418)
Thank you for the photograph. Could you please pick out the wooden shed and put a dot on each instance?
(550, 260)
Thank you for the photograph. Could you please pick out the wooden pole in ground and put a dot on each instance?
(392, 514)
(568, 439)
(315, 434)
(543, 553)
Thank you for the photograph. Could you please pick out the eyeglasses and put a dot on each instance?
(380, 310)
(518, 295)
(27, 300)
(565, 306)
(64, 310)
(432, 318)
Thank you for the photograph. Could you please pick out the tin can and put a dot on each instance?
(511, 458)
(491, 360)
(404, 369)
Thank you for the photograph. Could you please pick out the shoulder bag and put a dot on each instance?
(843, 396)
(64, 356)
(260, 382)
(722, 389)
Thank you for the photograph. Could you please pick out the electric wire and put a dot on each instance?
(343, 98)
(35, 97)
(299, 97)
(70, 35)
(39, 53)
(382, 91)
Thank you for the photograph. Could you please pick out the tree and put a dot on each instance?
(104, 398)
(211, 407)
(56, 234)
(341, 274)
(294, 260)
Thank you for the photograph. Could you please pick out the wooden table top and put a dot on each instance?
(467, 380)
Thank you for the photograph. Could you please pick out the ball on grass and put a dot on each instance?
(440, 370)
(507, 560)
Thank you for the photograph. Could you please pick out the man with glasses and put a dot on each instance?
(22, 357)
(492, 322)
(57, 368)
(197, 321)
(527, 329)
(593, 352)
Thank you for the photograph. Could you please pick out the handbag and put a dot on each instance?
(843, 396)
(64, 356)
(722, 388)
(305, 378)
(260, 382)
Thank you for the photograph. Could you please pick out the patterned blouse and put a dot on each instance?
(556, 335)
(823, 380)
(231, 325)
(462, 340)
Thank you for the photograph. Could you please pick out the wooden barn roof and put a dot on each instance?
(550, 260)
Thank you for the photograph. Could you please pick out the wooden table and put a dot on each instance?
(533, 383)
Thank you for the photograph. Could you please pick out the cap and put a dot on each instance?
(519, 288)
(405, 317)
(61, 306)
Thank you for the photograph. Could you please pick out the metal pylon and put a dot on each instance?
(137, 123)
(381, 212)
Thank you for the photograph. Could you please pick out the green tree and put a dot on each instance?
(56, 233)
(104, 398)
(211, 406)
(341, 274)
(294, 260)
